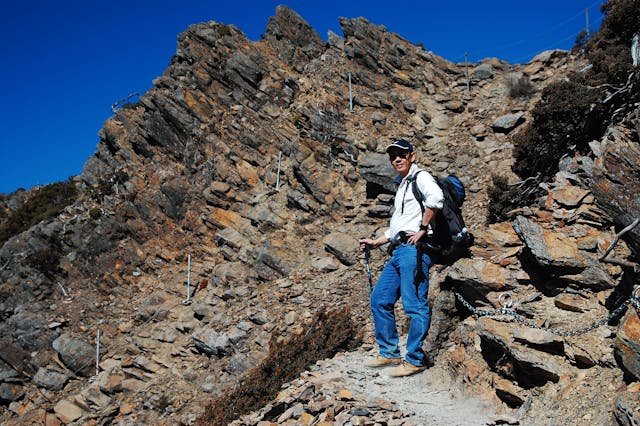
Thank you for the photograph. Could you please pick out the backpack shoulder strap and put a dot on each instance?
(416, 191)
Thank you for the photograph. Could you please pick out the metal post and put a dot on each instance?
(586, 12)
(98, 353)
(350, 94)
(367, 256)
(189, 277)
(278, 176)
(466, 70)
(187, 301)
(66, 295)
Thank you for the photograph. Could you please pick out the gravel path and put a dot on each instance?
(425, 395)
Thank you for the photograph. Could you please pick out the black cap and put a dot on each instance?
(400, 144)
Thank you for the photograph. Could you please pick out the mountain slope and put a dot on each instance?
(219, 217)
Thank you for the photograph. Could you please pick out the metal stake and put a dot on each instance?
(187, 301)
(98, 353)
(66, 295)
(350, 95)
(586, 15)
(278, 176)
(466, 70)
(367, 254)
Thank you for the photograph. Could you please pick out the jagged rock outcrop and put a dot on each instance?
(614, 184)
(222, 211)
(294, 40)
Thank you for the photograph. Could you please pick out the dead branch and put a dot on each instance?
(613, 244)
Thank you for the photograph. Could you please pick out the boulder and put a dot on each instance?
(343, 246)
(548, 56)
(627, 343)
(376, 170)
(555, 254)
(50, 379)
(10, 392)
(482, 72)
(508, 122)
(67, 411)
(529, 365)
(77, 355)
(626, 410)
(211, 342)
(476, 278)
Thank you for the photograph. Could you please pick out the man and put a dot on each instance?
(400, 276)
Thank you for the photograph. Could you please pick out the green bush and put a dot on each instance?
(566, 118)
(609, 50)
(45, 203)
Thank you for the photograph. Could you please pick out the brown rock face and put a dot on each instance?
(628, 343)
(293, 38)
(615, 184)
(220, 215)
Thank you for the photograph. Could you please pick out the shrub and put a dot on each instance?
(519, 86)
(130, 105)
(566, 118)
(504, 198)
(581, 42)
(95, 213)
(223, 30)
(45, 203)
(328, 333)
(609, 49)
(45, 260)
(571, 113)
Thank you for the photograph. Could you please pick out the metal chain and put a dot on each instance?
(507, 310)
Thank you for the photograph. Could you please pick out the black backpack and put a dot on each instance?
(450, 239)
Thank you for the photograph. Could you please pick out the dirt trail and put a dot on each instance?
(427, 396)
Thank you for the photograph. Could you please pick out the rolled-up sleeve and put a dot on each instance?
(433, 196)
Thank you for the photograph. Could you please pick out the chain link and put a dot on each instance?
(507, 310)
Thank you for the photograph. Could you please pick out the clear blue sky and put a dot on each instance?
(65, 62)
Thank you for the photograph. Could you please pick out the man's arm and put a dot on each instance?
(377, 242)
(429, 214)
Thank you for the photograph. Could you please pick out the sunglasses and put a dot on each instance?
(400, 153)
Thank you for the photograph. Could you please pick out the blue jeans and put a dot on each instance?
(395, 281)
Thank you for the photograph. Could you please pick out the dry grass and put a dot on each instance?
(329, 332)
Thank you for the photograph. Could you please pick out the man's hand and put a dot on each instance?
(364, 242)
(415, 237)
(367, 242)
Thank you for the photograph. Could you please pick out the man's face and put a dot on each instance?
(401, 160)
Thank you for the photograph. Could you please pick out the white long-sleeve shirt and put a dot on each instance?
(407, 215)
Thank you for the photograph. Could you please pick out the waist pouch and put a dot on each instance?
(426, 245)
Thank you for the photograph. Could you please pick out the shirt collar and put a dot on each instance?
(399, 179)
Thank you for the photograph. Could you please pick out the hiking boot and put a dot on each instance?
(381, 361)
(405, 369)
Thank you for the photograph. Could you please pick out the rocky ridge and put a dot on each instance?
(245, 174)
